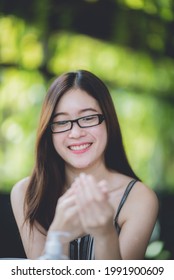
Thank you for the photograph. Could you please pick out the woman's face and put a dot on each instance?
(80, 148)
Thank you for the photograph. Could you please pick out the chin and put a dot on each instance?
(81, 166)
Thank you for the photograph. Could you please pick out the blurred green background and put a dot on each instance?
(129, 44)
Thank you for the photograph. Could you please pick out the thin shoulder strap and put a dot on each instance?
(124, 197)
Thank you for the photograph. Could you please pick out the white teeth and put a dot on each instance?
(80, 147)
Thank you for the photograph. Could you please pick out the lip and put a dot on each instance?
(80, 147)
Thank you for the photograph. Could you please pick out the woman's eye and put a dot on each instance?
(62, 123)
(90, 118)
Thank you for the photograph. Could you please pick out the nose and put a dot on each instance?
(76, 131)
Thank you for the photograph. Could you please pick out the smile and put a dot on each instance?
(81, 147)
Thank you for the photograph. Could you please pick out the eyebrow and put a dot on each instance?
(81, 111)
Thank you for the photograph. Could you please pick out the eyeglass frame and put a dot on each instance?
(100, 120)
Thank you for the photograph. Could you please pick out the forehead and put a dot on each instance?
(75, 100)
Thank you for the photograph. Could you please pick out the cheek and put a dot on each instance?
(102, 137)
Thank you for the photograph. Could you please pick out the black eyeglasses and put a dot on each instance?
(86, 121)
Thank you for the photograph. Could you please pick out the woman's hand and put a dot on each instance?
(66, 217)
(92, 203)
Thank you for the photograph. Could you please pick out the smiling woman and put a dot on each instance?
(82, 183)
(79, 136)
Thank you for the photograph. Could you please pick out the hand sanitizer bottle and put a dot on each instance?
(53, 247)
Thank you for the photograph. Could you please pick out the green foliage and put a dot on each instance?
(20, 100)
(141, 86)
(147, 126)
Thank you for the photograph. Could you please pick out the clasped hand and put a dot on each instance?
(84, 208)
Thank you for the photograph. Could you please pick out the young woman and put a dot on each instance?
(82, 182)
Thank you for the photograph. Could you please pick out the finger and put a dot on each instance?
(67, 194)
(103, 185)
(88, 190)
(92, 190)
(74, 185)
(83, 195)
(71, 212)
(66, 202)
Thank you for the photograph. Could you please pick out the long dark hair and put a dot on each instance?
(48, 178)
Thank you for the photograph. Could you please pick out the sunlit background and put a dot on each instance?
(129, 44)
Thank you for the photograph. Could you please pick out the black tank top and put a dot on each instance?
(82, 248)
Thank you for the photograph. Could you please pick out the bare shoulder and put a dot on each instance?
(141, 196)
(19, 189)
(140, 193)
(142, 202)
(17, 196)
(145, 195)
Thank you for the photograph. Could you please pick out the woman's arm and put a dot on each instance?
(33, 241)
(138, 216)
(65, 220)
